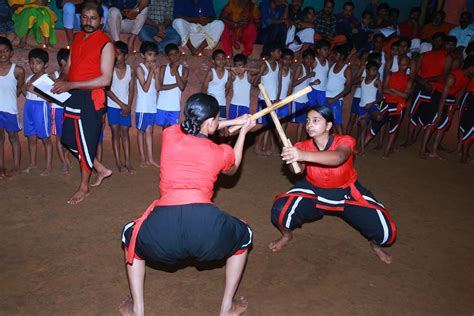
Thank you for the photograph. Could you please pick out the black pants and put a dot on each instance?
(82, 126)
(305, 203)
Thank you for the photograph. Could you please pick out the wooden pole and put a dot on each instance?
(285, 141)
(274, 106)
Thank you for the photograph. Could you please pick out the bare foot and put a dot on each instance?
(130, 169)
(436, 155)
(239, 306)
(143, 164)
(380, 253)
(276, 245)
(385, 156)
(28, 169)
(122, 169)
(100, 177)
(65, 169)
(423, 155)
(46, 172)
(405, 144)
(126, 307)
(78, 197)
(153, 163)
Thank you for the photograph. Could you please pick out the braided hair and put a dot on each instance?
(198, 108)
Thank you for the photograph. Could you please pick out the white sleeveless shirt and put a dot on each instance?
(357, 92)
(241, 91)
(146, 101)
(285, 85)
(8, 85)
(321, 73)
(270, 82)
(336, 82)
(216, 86)
(368, 92)
(301, 86)
(170, 100)
(120, 87)
(33, 96)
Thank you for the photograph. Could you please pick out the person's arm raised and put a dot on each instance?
(239, 146)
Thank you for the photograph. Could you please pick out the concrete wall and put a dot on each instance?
(403, 5)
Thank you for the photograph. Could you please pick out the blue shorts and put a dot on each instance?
(167, 118)
(37, 119)
(237, 110)
(58, 118)
(143, 120)
(336, 108)
(283, 112)
(114, 117)
(316, 97)
(299, 111)
(266, 119)
(222, 112)
(355, 105)
(10, 122)
(363, 111)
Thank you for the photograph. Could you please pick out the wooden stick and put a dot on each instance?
(286, 142)
(274, 106)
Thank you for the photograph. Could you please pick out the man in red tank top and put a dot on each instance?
(89, 71)
(446, 96)
(431, 67)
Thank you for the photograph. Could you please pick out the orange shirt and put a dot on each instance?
(461, 81)
(330, 177)
(85, 55)
(190, 166)
(429, 30)
(432, 64)
(398, 81)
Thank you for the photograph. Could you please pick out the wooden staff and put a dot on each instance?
(274, 106)
(285, 141)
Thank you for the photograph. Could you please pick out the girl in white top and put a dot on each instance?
(12, 78)
(217, 83)
(145, 108)
(339, 85)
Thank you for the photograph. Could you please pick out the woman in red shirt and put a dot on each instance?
(184, 223)
(330, 187)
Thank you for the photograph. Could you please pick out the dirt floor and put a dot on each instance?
(59, 259)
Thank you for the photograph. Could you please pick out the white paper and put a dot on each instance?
(45, 84)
